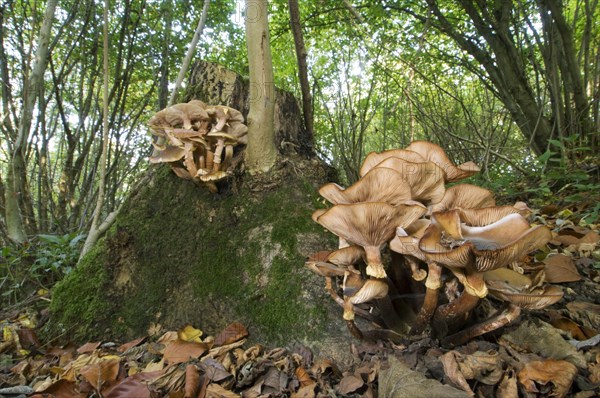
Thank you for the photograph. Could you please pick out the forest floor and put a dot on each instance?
(549, 352)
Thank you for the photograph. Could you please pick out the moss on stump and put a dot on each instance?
(179, 255)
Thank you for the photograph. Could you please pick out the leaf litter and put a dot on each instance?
(548, 353)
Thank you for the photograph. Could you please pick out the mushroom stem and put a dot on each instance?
(354, 330)
(218, 152)
(358, 311)
(504, 318)
(449, 315)
(374, 263)
(431, 299)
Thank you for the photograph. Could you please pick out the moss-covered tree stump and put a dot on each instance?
(178, 254)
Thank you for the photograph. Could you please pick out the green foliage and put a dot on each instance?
(37, 265)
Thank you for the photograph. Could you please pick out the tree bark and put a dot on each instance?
(261, 152)
(16, 176)
(307, 104)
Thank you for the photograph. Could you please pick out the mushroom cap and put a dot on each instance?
(455, 244)
(213, 176)
(228, 139)
(374, 158)
(464, 196)
(368, 223)
(426, 179)
(436, 154)
(192, 111)
(346, 256)
(407, 239)
(378, 185)
(169, 154)
(325, 269)
(508, 285)
(487, 215)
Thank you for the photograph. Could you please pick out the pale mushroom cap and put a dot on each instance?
(374, 158)
(169, 154)
(214, 176)
(228, 139)
(452, 243)
(487, 215)
(378, 185)
(426, 179)
(407, 239)
(371, 290)
(346, 256)
(370, 223)
(464, 196)
(436, 154)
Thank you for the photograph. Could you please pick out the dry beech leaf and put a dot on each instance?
(577, 332)
(350, 384)
(559, 373)
(307, 391)
(453, 372)
(133, 386)
(167, 337)
(192, 381)
(179, 351)
(101, 374)
(189, 333)
(131, 344)
(584, 306)
(88, 347)
(303, 377)
(508, 387)
(231, 334)
(216, 391)
(63, 389)
(560, 268)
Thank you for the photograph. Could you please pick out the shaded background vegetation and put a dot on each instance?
(513, 86)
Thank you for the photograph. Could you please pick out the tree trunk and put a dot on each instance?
(261, 152)
(307, 101)
(16, 176)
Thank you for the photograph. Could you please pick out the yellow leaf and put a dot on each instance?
(191, 334)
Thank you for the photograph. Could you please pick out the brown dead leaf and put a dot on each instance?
(558, 372)
(232, 333)
(594, 369)
(214, 370)
(179, 351)
(192, 381)
(350, 384)
(307, 391)
(62, 388)
(133, 386)
(322, 366)
(171, 379)
(101, 374)
(303, 377)
(88, 347)
(131, 344)
(216, 391)
(452, 371)
(508, 387)
(560, 268)
(577, 331)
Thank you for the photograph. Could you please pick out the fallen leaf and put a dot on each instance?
(88, 347)
(508, 387)
(63, 389)
(231, 334)
(131, 344)
(453, 372)
(303, 377)
(179, 351)
(577, 332)
(307, 391)
(189, 333)
(350, 384)
(102, 373)
(192, 381)
(216, 391)
(133, 386)
(560, 268)
(559, 373)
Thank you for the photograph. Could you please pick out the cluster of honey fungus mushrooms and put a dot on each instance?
(198, 139)
(453, 246)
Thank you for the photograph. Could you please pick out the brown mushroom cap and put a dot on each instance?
(407, 239)
(436, 154)
(378, 185)
(358, 291)
(455, 244)
(169, 154)
(346, 256)
(508, 285)
(369, 223)
(374, 158)
(426, 179)
(464, 196)
(487, 215)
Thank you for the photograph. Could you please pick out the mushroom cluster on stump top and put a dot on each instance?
(447, 237)
(198, 140)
